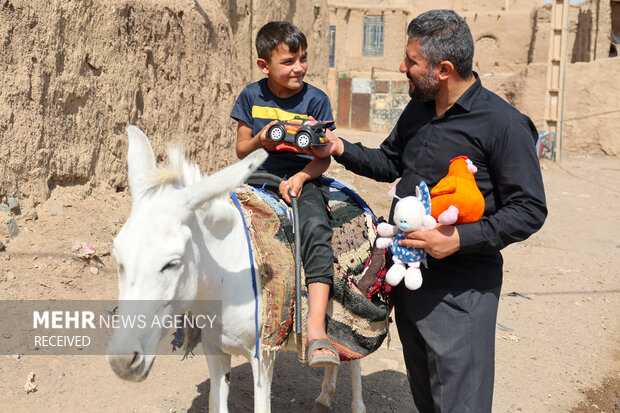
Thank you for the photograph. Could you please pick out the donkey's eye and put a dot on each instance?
(172, 265)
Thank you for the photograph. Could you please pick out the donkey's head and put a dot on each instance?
(158, 249)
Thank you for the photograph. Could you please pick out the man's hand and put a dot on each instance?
(295, 183)
(440, 242)
(334, 146)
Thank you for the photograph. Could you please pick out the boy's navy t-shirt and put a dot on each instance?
(256, 106)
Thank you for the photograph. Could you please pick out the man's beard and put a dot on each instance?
(426, 89)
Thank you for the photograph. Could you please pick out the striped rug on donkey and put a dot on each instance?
(358, 311)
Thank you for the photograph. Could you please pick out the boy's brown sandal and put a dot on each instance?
(322, 360)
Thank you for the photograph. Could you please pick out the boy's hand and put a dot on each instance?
(267, 142)
(295, 183)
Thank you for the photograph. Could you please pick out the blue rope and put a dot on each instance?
(234, 198)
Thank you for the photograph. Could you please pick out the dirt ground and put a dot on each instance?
(558, 325)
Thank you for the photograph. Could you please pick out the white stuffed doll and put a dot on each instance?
(411, 213)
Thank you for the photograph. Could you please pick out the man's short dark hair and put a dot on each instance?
(271, 35)
(444, 35)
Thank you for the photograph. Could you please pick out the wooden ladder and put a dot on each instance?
(556, 71)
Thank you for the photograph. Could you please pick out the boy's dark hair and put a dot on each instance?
(444, 35)
(271, 35)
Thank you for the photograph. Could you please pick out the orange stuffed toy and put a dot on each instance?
(456, 198)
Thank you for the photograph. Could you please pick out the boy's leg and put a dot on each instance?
(317, 255)
(316, 234)
(318, 294)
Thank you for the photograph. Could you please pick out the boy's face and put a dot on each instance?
(285, 70)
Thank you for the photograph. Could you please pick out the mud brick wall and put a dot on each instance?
(389, 98)
(370, 104)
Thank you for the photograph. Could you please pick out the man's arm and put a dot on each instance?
(382, 164)
(519, 191)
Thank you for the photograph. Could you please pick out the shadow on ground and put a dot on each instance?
(386, 391)
(383, 391)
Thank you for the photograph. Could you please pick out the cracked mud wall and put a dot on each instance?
(74, 74)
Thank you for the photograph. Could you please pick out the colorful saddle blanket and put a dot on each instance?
(357, 314)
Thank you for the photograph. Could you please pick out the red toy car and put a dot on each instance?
(302, 132)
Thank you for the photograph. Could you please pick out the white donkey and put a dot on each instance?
(183, 240)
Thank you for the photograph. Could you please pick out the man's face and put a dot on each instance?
(286, 70)
(423, 82)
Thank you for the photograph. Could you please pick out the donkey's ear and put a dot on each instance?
(224, 181)
(140, 159)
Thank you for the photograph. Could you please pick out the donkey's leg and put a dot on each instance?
(219, 371)
(328, 389)
(357, 401)
(262, 372)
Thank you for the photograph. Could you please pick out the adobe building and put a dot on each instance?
(511, 51)
(73, 75)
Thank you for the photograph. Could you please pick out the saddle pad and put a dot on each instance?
(358, 311)
(268, 222)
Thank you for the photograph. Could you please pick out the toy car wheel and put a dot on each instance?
(276, 133)
(303, 140)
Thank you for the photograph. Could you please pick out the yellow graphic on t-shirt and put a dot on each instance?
(265, 112)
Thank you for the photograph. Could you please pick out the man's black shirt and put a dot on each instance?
(500, 141)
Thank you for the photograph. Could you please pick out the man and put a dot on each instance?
(447, 327)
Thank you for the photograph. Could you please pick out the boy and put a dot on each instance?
(282, 56)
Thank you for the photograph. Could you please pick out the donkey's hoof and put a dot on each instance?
(320, 408)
